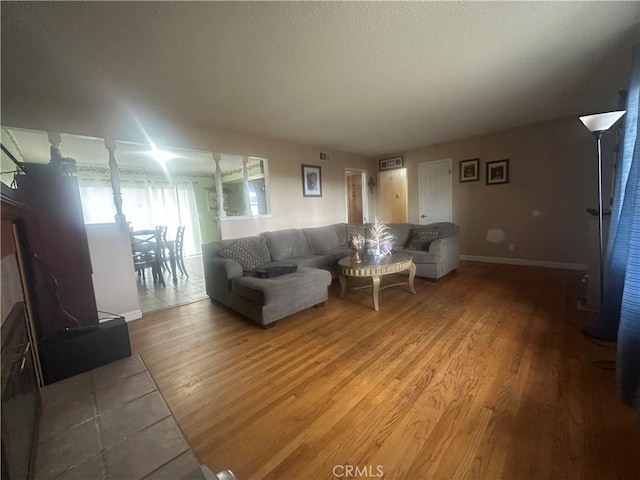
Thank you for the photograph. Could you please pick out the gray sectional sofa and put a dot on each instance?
(229, 265)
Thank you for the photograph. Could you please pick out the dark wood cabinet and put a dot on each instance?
(55, 273)
(54, 242)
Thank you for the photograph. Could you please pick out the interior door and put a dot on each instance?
(354, 197)
(435, 191)
(393, 201)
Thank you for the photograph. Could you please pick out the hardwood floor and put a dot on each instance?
(483, 374)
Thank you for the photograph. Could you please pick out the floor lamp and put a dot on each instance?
(600, 124)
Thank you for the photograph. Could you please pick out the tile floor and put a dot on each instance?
(186, 290)
(111, 423)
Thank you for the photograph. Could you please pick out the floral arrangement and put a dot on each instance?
(376, 241)
(379, 239)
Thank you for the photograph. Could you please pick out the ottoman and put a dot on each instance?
(266, 300)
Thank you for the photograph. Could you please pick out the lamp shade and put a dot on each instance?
(601, 122)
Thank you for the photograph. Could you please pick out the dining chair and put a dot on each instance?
(161, 233)
(179, 250)
(145, 248)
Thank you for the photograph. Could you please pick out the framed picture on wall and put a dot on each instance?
(497, 172)
(391, 163)
(469, 170)
(311, 181)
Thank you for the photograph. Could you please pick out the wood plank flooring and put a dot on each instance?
(483, 374)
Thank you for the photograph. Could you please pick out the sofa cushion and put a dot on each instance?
(447, 229)
(244, 253)
(422, 236)
(259, 245)
(341, 231)
(326, 262)
(322, 239)
(402, 232)
(268, 291)
(356, 228)
(421, 257)
(286, 244)
(340, 252)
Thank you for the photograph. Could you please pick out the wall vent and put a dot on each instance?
(323, 156)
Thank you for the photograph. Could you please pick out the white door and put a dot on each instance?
(435, 191)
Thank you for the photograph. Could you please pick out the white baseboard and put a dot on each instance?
(133, 315)
(128, 316)
(525, 261)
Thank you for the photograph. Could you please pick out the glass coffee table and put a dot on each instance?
(375, 269)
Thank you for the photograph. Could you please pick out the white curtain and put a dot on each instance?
(146, 205)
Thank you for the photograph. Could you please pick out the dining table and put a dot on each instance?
(149, 246)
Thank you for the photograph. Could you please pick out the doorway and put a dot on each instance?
(355, 181)
(393, 201)
(435, 191)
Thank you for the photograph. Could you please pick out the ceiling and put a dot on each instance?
(369, 78)
(32, 146)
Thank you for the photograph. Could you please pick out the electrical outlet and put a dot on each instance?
(512, 246)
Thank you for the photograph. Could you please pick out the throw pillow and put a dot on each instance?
(353, 228)
(243, 253)
(421, 237)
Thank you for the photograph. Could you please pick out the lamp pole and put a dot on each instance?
(599, 124)
(600, 211)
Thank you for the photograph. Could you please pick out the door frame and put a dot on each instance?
(365, 198)
(421, 165)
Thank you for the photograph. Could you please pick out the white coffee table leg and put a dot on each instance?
(412, 274)
(375, 284)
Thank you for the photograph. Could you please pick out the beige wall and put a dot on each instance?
(553, 179)
(113, 282)
(288, 207)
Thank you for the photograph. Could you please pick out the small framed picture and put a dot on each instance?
(497, 172)
(391, 163)
(311, 181)
(469, 170)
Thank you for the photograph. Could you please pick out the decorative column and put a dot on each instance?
(115, 179)
(219, 192)
(245, 187)
(55, 139)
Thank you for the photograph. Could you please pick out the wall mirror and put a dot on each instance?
(159, 185)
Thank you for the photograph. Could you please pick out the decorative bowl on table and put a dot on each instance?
(356, 243)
